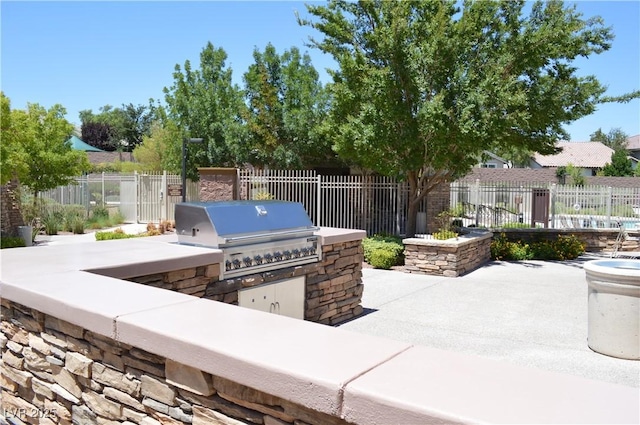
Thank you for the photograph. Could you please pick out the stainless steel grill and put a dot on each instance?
(254, 236)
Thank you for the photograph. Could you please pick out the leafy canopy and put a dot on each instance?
(423, 87)
(40, 155)
(286, 105)
(206, 104)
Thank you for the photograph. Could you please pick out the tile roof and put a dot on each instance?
(539, 176)
(580, 154)
(633, 143)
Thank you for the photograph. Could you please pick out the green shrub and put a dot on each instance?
(77, 227)
(51, 223)
(382, 259)
(72, 213)
(563, 248)
(105, 236)
(11, 242)
(100, 212)
(391, 244)
(516, 225)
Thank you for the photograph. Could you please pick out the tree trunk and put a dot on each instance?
(412, 216)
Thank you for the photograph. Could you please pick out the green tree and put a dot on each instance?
(616, 138)
(154, 153)
(116, 129)
(620, 164)
(423, 87)
(46, 159)
(577, 178)
(206, 104)
(9, 150)
(286, 105)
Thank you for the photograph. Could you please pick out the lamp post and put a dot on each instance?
(184, 164)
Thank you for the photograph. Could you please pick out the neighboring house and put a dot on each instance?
(491, 160)
(633, 146)
(588, 156)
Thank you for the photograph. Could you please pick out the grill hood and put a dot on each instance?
(222, 224)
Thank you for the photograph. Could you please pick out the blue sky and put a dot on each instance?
(84, 55)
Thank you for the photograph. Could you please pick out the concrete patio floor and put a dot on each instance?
(530, 313)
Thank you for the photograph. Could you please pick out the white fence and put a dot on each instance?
(505, 203)
(373, 203)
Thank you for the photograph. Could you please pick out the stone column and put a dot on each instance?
(218, 184)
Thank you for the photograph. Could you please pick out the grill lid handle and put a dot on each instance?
(263, 235)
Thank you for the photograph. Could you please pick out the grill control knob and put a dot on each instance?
(236, 264)
(305, 251)
(287, 255)
(268, 258)
(257, 259)
(277, 255)
(247, 261)
(312, 250)
(227, 265)
(296, 253)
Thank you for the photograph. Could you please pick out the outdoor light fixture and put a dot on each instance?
(184, 164)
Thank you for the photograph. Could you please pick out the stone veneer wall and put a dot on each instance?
(449, 258)
(54, 372)
(218, 184)
(11, 216)
(596, 240)
(333, 286)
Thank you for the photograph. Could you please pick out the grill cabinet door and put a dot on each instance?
(285, 297)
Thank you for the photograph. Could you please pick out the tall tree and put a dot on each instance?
(154, 153)
(116, 129)
(620, 165)
(206, 104)
(47, 159)
(9, 149)
(424, 86)
(286, 105)
(616, 139)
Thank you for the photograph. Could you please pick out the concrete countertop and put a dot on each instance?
(364, 379)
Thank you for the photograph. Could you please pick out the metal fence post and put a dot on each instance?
(552, 189)
(318, 200)
(477, 202)
(609, 197)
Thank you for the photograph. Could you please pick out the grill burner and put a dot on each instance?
(254, 236)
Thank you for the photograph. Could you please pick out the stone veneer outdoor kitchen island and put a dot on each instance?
(82, 344)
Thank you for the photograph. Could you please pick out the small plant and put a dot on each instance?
(11, 242)
(444, 235)
(445, 226)
(263, 195)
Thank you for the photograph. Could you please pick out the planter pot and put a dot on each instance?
(26, 233)
(614, 307)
